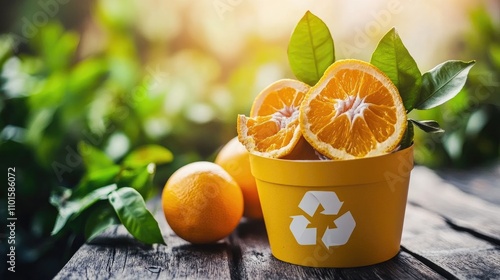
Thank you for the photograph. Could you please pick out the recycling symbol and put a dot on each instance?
(345, 224)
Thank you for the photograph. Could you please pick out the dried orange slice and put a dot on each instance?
(273, 128)
(353, 111)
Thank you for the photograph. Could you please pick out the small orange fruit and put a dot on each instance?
(273, 129)
(353, 111)
(234, 158)
(202, 203)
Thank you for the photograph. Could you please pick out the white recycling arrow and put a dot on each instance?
(303, 235)
(340, 235)
(329, 201)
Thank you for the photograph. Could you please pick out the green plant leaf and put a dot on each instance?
(494, 52)
(86, 75)
(392, 57)
(140, 179)
(56, 45)
(71, 209)
(145, 155)
(311, 49)
(407, 139)
(94, 158)
(428, 126)
(132, 212)
(96, 179)
(100, 219)
(442, 83)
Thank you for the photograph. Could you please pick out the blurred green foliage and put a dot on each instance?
(118, 97)
(470, 120)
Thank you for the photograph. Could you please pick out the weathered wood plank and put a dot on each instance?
(483, 181)
(258, 263)
(116, 255)
(439, 241)
(430, 238)
(461, 209)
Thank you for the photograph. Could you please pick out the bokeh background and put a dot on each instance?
(119, 74)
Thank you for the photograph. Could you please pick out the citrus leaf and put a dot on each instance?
(100, 219)
(311, 49)
(428, 126)
(132, 212)
(93, 158)
(392, 57)
(442, 83)
(72, 208)
(148, 154)
(96, 179)
(86, 75)
(407, 139)
(494, 52)
(140, 179)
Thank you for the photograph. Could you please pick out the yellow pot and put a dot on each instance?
(334, 213)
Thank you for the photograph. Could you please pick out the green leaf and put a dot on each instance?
(56, 46)
(7, 45)
(407, 139)
(494, 52)
(442, 83)
(72, 208)
(93, 158)
(148, 154)
(140, 179)
(392, 57)
(482, 21)
(100, 219)
(132, 212)
(86, 75)
(96, 179)
(428, 126)
(311, 49)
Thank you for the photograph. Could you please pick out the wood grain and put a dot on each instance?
(257, 262)
(448, 234)
(460, 254)
(459, 208)
(481, 181)
(116, 255)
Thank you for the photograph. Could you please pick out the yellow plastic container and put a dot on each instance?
(334, 213)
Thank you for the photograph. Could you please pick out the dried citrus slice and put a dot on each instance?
(353, 111)
(273, 129)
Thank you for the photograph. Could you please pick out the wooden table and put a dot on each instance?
(448, 234)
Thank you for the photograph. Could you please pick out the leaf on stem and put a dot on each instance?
(428, 126)
(96, 179)
(442, 83)
(100, 219)
(93, 158)
(132, 212)
(392, 57)
(311, 49)
(148, 154)
(140, 179)
(72, 208)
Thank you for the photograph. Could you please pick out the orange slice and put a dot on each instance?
(273, 129)
(353, 111)
(282, 95)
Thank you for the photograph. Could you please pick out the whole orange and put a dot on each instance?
(202, 203)
(234, 158)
